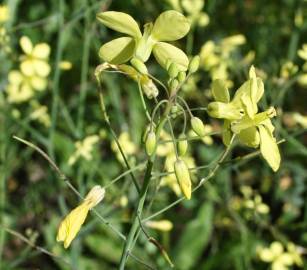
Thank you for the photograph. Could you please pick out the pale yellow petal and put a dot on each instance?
(41, 50)
(26, 44)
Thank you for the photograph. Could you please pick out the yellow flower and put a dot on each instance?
(84, 149)
(35, 60)
(215, 56)
(275, 254)
(72, 223)
(4, 13)
(22, 88)
(161, 225)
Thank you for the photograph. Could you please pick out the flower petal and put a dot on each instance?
(170, 25)
(41, 50)
(164, 52)
(220, 91)
(250, 137)
(120, 22)
(269, 148)
(117, 51)
(26, 45)
(42, 68)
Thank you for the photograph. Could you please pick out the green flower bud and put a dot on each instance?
(182, 145)
(181, 76)
(174, 109)
(139, 65)
(150, 144)
(194, 64)
(198, 126)
(183, 178)
(173, 70)
(174, 84)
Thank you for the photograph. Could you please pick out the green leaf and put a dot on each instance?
(269, 148)
(170, 25)
(194, 238)
(165, 52)
(220, 91)
(117, 51)
(120, 22)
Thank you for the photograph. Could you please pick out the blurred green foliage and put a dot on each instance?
(229, 221)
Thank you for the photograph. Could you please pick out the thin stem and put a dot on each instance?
(31, 244)
(107, 121)
(148, 174)
(67, 181)
(143, 102)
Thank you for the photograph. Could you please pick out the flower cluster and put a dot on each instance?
(33, 72)
(279, 258)
(216, 57)
(242, 118)
(169, 26)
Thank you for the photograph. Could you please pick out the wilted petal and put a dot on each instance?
(120, 22)
(72, 223)
(117, 51)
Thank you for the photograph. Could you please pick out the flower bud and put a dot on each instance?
(181, 76)
(139, 65)
(198, 126)
(183, 178)
(150, 144)
(194, 64)
(174, 84)
(182, 145)
(173, 70)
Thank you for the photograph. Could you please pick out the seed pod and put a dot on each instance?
(150, 144)
(139, 65)
(198, 126)
(182, 145)
(173, 70)
(181, 76)
(183, 177)
(194, 64)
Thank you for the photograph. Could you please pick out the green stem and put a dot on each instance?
(148, 174)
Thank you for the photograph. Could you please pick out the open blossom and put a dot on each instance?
(32, 76)
(242, 118)
(71, 224)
